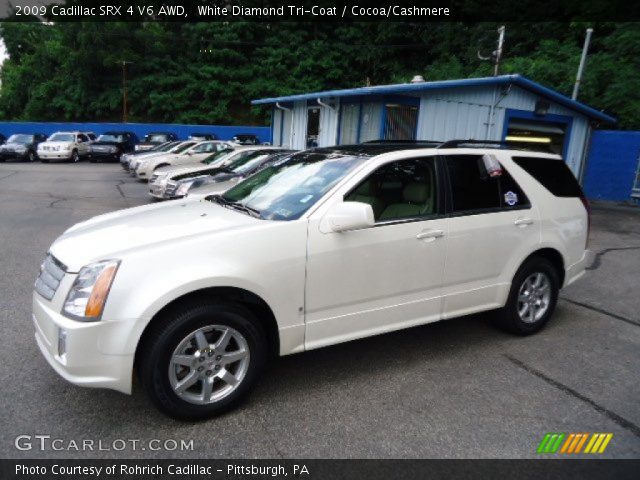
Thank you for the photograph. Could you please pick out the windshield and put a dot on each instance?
(61, 137)
(108, 137)
(19, 138)
(213, 158)
(156, 138)
(248, 161)
(286, 190)
(182, 148)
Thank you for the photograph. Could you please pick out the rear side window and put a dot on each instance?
(554, 175)
(473, 190)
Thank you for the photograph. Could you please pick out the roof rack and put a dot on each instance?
(511, 145)
(469, 143)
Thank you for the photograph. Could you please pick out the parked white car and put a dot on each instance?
(64, 146)
(194, 154)
(126, 158)
(136, 160)
(163, 182)
(332, 245)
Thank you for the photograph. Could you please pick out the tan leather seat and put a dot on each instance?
(366, 193)
(418, 201)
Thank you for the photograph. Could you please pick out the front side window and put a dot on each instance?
(473, 190)
(399, 190)
(285, 191)
(83, 138)
(181, 148)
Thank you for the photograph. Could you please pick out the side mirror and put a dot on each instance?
(347, 216)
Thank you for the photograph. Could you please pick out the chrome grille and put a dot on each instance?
(51, 273)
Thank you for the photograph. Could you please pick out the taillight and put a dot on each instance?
(585, 202)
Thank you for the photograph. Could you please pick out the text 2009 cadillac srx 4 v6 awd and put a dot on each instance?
(329, 245)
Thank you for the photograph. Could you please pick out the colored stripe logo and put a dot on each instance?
(574, 443)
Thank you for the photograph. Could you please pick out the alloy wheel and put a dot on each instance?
(534, 297)
(209, 364)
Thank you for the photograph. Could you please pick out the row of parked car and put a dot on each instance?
(176, 169)
(109, 146)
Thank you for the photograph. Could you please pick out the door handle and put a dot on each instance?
(431, 234)
(523, 222)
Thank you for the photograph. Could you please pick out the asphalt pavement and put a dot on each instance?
(455, 389)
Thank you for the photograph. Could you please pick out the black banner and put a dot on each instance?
(319, 469)
(321, 10)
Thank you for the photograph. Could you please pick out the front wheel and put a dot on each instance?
(75, 156)
(532, 298)
(202, 360)
(32, 157)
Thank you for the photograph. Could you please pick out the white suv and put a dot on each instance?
(65, 146)
(332, 245)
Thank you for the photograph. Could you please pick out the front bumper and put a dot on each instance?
(102, 156)
(577, 270)
(58, 155)
(8, 155)
(85, 360)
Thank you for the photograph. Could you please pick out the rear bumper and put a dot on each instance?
(82, 360)
(577, 270)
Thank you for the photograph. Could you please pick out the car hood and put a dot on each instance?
(217, 188)
(115, 234)
(174, 170)
(13, 146)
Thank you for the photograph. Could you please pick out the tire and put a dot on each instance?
(75, 157)
(32, 157)
(44, 160)
(525, 312)
(175, 334)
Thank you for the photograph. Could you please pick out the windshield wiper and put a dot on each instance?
(241, 207)
(244, 208)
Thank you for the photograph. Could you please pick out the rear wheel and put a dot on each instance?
(532, 298)
(202, 360)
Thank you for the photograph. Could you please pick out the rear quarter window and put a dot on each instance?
(552, 174)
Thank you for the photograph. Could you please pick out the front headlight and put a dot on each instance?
(183, 188)
(89, 291)
(142, 163)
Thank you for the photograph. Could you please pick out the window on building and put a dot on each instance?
(400, 122)
(539, 136)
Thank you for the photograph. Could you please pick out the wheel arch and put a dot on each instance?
(248, 299)
(553, 256)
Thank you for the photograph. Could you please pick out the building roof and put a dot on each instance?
(410, 88)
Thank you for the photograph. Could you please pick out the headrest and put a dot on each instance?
(365, 189)
(416, 193)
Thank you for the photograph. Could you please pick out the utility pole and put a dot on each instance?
(583, 60)
(498, 52)
(496, 55)
(124, 89)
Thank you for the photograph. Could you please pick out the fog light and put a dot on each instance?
(62, 343)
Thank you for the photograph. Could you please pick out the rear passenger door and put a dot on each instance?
(491, 228)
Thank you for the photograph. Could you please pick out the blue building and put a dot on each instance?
(507, 107)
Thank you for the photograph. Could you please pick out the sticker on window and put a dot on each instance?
(511, 198)
(306, 198)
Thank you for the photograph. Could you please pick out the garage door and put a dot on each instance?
(544, 136)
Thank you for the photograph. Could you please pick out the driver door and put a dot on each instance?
(385, 277)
